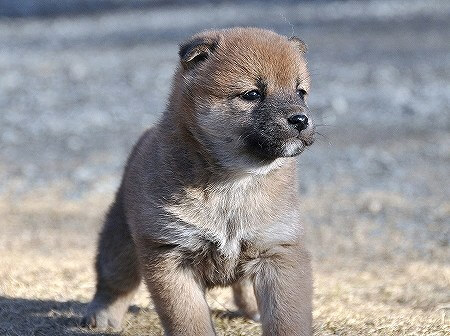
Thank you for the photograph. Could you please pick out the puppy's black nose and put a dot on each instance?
(300, 121)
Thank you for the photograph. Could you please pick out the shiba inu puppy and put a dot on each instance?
(209, 194)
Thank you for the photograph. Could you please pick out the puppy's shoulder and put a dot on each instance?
(145, 143)
(143, 157)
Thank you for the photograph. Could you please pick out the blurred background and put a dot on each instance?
(81, 79)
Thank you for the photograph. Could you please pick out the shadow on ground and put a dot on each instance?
(49, 317)
(42, 317)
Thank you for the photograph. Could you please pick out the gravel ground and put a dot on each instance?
(76, 92)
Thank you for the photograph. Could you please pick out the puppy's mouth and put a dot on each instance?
(283, 144)
(296, 145)
(298, 141)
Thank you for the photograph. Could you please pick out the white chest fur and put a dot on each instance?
(224, 213)
(229, 213)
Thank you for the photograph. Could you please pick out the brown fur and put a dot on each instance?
(209, 195)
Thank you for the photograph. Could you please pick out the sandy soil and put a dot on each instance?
(75, 93)
(46, 276)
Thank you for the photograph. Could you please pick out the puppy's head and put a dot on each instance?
(242, 95)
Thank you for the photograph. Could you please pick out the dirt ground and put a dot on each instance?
(46, 275)
(76, 91)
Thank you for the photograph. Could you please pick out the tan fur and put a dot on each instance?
(209, 195)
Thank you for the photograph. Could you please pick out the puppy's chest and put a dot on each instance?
(224, 215)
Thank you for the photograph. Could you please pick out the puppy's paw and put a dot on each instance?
(100, 319)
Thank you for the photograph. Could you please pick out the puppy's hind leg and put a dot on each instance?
(245, 300)
(118, 275)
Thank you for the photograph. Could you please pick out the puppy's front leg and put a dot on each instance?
(283, 288)
(178, 297)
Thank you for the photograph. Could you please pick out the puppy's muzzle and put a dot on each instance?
(304, 126)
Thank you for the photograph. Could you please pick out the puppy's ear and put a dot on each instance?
(197, 50)
(299, 43)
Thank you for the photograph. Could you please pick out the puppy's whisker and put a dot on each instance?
(325, 137)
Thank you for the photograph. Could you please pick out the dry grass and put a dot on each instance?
(46, 278)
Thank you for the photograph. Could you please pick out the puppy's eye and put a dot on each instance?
(302, 93)
(251, 95)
